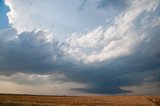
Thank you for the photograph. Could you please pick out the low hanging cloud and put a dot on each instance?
(114, 59)
(35, 50)
(52, 84)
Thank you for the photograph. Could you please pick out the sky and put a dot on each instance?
(80, 47)
(3, 17)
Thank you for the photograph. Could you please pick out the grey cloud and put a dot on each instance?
(117, 4)
(29, 51)
(108, 76)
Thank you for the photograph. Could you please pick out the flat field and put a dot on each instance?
(35, 100)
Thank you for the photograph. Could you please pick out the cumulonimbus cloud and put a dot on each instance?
(107, 58)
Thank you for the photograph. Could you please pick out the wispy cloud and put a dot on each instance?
(82, 6)
(119, 4)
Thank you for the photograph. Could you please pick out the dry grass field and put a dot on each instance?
(33, 100)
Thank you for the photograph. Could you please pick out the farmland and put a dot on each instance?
(37, 100)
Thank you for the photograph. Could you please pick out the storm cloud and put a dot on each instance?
(106, 59)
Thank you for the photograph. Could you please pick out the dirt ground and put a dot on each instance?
(34, 100)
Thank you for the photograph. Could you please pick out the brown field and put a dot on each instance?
(33, 100)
